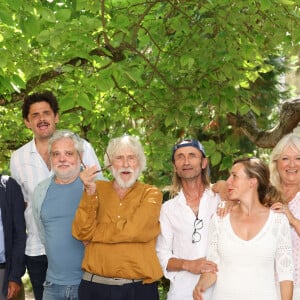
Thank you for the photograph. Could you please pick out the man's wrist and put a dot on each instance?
(185, 265)
(90, 190)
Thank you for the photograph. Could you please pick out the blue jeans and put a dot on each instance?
(54, 291)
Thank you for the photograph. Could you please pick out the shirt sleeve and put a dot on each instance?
(164, 245)
(85, 220)
(34, 207)
(213, 236)
(17, 268)
(14, 169)
(284, 259)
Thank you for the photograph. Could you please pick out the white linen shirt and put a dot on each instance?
(28, 168)
(175, 241)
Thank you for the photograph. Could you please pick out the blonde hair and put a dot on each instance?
(290, 140)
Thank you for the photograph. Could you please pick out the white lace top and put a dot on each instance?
(294, 206)
(246, 268)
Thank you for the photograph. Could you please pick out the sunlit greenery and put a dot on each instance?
(161, 70)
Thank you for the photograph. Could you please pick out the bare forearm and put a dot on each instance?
(286, 290)
(177, 264)
(206, 281)
(195, 266)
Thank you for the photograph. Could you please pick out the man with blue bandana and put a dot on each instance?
(184, 220)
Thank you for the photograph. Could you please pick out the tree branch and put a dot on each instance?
(288, 120)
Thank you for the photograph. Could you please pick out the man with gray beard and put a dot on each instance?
(54, 204)
(119, 222)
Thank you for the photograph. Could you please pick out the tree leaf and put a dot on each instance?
(215, 158)
(30, 25)
(84, 101)
(66, 102)
(5, 15)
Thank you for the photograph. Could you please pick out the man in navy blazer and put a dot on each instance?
(13, 234)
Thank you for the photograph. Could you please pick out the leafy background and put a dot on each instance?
(161, 70)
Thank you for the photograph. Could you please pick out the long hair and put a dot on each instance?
(256, 168)
(177, 181)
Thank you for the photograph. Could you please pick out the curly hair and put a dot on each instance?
(45, 96)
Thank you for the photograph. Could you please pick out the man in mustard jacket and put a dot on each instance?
(119, 221)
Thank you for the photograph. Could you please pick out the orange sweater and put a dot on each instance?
(121, 232)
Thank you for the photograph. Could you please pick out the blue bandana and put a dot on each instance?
(188, 143)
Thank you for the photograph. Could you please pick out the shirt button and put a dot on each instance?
(119, 217)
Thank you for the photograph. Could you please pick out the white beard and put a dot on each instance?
(120, 181)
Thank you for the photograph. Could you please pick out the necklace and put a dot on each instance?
(193, 201)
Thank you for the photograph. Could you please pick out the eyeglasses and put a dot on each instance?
(198, 225)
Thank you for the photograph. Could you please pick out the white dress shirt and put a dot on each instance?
(177, 226)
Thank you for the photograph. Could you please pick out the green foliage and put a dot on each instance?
(161, 70)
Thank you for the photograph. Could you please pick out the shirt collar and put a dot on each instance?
(33, 146)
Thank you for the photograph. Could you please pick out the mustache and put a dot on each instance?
(129, 170)
(43, 123)
(63, 165)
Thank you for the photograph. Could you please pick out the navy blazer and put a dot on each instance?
(12, 211)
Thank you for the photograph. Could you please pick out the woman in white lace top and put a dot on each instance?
(252, 243)
(285, 174)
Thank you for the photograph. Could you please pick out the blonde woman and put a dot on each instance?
(285, 175)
